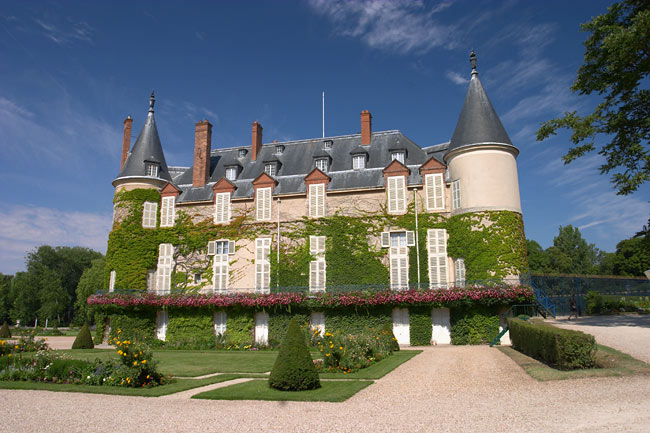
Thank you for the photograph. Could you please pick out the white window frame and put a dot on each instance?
(437, 258)
(399, 268)
(358, 162)
(149, 214)
(151, 169)
(222, 208)
(270, 168)
(396, 192)
(459, 271)
(263, 264)
(111, 281)
(241, 153)
(263, 200)
(316, 200)
(318, 267)
(455, 194)
(162, 322)
(164, 269)
(279, 149)
(231, 173)
(220, 271)
(323, 164)
(434, 185)
(220, 320)
(168, 211)
(399, 155)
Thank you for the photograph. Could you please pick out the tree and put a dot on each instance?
(91, 280)
(26, 302)
(571, 254)
(294, 369)
(54, 299)
(616, 66)
(538, 260)
(6, 301)
(633, 256)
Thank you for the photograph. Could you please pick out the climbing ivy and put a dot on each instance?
(420, 328)
(190, 329)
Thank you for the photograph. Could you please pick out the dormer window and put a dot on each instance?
(241, 153)
(270, 168)
(399, 155)
(279, 149)
(151, 169)
(231, 173)
(358, 162)
(322, 164)
(327, 144)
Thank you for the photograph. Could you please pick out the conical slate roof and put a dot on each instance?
(478, 123)
(147, 148)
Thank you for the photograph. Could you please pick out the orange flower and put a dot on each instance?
(144, 361)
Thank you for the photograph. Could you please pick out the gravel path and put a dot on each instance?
(629, 333)
(444, 389)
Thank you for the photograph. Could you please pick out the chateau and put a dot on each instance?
(365, 211)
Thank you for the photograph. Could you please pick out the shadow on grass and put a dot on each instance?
(610, 362)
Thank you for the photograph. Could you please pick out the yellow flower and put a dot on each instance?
(119, 330)
(135, 355)
(135, 362)
(16, 346)
(331, 346)
(327, 354)
(119, 352)
(340, 347)
(144, 361)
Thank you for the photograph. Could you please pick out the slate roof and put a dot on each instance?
(298, 159)
(478, 123)
(147, 148)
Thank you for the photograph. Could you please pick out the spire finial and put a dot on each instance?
(472, 61)
(152, 100)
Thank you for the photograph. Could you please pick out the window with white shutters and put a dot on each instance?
(317, 200)
(459, 267)
(164, 270)
(435, 191)
(317, 323)
(168, 212)
(151, 169)
(263, 203)
(111, 282)
(396, 194)
(262, 264)
(222, 208)
(220, 271)
(220, 319)
(322, 164)
(149, 213)
(151, 280)
(455, 194)
(162, 320)
(437, 252)
(399, 268)
(317, 268)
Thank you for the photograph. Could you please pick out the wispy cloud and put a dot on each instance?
(457, 78)
(66, 32)
(23, 228)
(200, 35)
(390, 25)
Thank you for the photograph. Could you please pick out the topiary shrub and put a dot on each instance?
(294, 369)
(5, 332)
(84, 340)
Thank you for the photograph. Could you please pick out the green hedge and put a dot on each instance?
(560, 348)
(190, 329)
(478, 325)
(240, 326)
(139, 325)
(355, 320)
(279, 324)
(420, 326)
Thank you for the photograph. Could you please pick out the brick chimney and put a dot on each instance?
(366, 127)
(256, 145)
(126, 140)
(202, 143)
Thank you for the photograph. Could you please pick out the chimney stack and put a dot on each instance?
(366, 127)
(126, 140)
(256, 146)
(202, 143)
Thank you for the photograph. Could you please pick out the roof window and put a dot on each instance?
(151, 169)
(231, 173)
(279, 149)
(322, 164)
(358, 161)
(327, 144)
(399, 155)
(270, 168)
(241, 153)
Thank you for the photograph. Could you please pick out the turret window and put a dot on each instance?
(151, 169)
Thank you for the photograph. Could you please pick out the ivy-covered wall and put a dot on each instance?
(190, 328)
(474, 325)
(420, 326)
(240, 326)
(279, 323)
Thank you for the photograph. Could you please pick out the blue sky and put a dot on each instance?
(70, 72)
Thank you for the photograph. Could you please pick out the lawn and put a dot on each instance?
(610, 362)
(335, 391)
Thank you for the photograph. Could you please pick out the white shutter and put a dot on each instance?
(263, 203)
(317, 322)
(262, 264)
(317, 275)
(316, 245)
(220, 272)
(222, 208)
(151, 280)
(437, 252)
(410, 239)
(396, 194)
(398, 268)
(434, 186)
(220, 320)
(385, 239)
(164, 270)
(212, 248)
(317, 200)
(149, 213)
(459, 267)
(261, 328)
(162, 320)
(111, 282)
(168, 212)
(231, 247)
(455, 194)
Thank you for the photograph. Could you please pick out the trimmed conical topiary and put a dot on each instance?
(5, 332)
(294, 369)
(84, 340)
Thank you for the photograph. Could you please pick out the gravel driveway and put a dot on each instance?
(444, 389)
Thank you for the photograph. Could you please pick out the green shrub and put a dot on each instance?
(347, 353)
(63, 369)
(294, 369)
(389, 340)
(356, 320)
(595, 302)
(137, 325)
(420, 326)
(473, 326)
(560, 348)
(5, 332)
(84, 340)
(279, 324)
